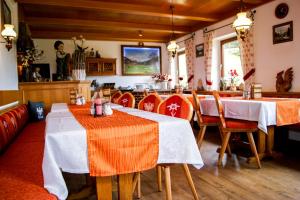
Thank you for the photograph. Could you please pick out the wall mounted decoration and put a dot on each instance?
(200, 50)
(284, 80)
(5, 14)
(281, 10)
(140, 60)
(283, 32)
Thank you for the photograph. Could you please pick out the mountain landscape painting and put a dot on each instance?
(140, 60)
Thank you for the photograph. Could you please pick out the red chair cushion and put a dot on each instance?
(115, 97)
(210, 119)
(21, 166)
(175, 106)
(240, 124)
(125, 100)
(150, 103)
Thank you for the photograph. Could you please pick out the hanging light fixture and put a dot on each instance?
(172, 46)
(243, 23)
(9, 35)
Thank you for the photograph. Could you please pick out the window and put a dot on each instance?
(182, 69)
(231, 60)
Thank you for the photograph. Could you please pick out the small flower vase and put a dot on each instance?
(164, 85)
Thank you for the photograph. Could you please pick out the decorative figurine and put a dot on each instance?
(284, 83)
(37, 77)
(62, 61)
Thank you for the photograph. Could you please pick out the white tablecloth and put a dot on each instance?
(264, 112)
(66, 145)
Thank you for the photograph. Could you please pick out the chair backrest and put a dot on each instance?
(150, 103)
(197, 107)
(73, 95)
(126, 100)
(220, 108)
(106, 93)
(115, 96)
(176, 106)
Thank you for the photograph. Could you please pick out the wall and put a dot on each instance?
(269, 58)
(8, 59)
(108, 49)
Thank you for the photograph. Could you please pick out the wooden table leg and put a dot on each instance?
(104, 188)
(125, 186)
(270, 140)
(261, 142)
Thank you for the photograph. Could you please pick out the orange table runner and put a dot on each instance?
(287, 110)
(118, 144)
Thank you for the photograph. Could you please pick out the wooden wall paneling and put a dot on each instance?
(53, 92)
(9, 96)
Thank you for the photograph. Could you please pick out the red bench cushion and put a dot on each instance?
(21, 166)
(8, 129)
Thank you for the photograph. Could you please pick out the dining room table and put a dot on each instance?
(71, 146)
(267, 112)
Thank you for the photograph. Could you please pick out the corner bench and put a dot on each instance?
(21, 156)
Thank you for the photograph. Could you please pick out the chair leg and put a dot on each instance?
(168, 183)
(201, 135)
(137, 184)
(158, 173)
(253, 148)
(223, 147)
(190, 181)
(228, 146)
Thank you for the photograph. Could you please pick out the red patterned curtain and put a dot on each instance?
(208, 42)
(190, 60)
(247, 58)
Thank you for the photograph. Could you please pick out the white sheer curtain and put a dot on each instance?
(208, 46)
(247, 58)
(190, 60)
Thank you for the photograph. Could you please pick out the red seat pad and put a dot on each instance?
(210, 119)
(21, 166)
(240, 124)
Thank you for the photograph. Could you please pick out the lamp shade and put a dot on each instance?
(242, 21)
(8, 31)
(172, 46)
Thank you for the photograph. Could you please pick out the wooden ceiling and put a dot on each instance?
(124, 19)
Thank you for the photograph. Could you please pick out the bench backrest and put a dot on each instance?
(11, 123)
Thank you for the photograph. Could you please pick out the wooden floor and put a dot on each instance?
(278, 179)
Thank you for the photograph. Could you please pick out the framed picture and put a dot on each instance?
(283, 32)
(200, 50)
(140, 60)
(5, 14)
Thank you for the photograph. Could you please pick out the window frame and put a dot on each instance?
(228, 40)
(177, 63)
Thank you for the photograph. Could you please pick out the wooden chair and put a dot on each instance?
(106, 94)
(204, 121)
(229, 126)
(126, 100)
(115, 96)
(176, 106)
(150, 103)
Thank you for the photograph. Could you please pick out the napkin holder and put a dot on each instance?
(256, 89)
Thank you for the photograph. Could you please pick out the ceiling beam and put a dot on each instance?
(37, 34)
(111, 24)
(127, 8)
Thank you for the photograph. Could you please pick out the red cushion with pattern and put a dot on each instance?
(240, 124)
(8, 129)
(21, 166)
(126, 100)
(21, 114)
(210, 119)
